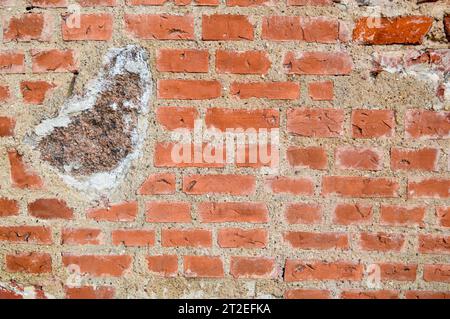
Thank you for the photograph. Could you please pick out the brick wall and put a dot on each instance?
(358, 206)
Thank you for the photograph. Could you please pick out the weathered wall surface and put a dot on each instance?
(358, 206)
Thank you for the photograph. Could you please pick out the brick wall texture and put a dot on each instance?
(357, 207)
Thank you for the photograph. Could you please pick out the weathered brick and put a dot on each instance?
(189, 89)
(315, 122)
(226, 27)
(182, 60)
(95, 26)
(168, 212)
(203, 266)
(394, 30)
(266, 90)
(99, 266)
(246, 62)
(160, 27)
(221, 184)
(355, 186)
(349, 214)
(318, 63)
(240, 212)
(299, 270)
(303, 213)
(242, 238)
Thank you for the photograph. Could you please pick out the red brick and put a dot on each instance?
(226, 27)
(28, 27)
(203, 266)
(427, 124)
(394, 30)
(88, 292)
(121, 212)
(382, 242)
(316, 241)
(282, 28)
(402, 216)
(4, 93)
(145, 2)
(54, 61)
(197, 2)
(443, 214)
(416, 294)
(164, 265)
(358, 158)
(411, 159)
(369, 294)
(398, 272)
(8, 207)
(186, 238)
(6, 293)
(242, 238)
(160, 27)
(35, 92)
(310, 2)
(158, 184)
(171, 154)
(243, 62)
(447, 26)
(430, 244)
(219, 184)
(238, 212)
(318, 63)
(189, 89)
(321, 91)
(307, 157)
(303, 213)
(173, 117)
(12, 62)
(133, 238)
(223, 119)
(266, 90)
(26, 234)
(290, 185)
(182, 60)
(7, 125)
(299, 270)
(97, 3)
(320, 29)
(49, 3)
(97, 27)
(436, 273)
(81, 236)
(50, 208)
(21, 175)
(356, 186)
(245, 3)
(309, 29)
(33, 263)
(429, 188)
(252, 267)
(307, 294)
(372, 123)
(257, 155)
(168, 212)
(99, 266)
(315, 122)
(352, 214)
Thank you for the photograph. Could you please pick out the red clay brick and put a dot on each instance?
(168, 212)
(182, 60)
(226, 27)
(303, 213)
